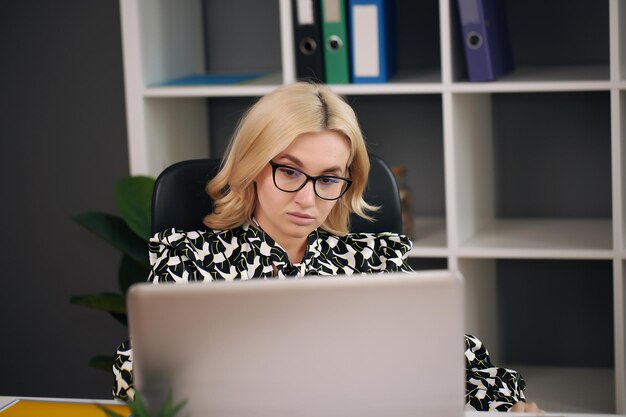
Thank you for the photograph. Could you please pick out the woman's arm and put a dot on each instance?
(487, 387)
(123, 372)
(170, 254)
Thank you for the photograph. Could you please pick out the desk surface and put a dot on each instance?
(58, 407)
(4, 401)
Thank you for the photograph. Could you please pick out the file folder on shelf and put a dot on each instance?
(372, 40)
(486, 42)
(307, 31)
(335, 35)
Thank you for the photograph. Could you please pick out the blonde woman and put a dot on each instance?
(296, 167)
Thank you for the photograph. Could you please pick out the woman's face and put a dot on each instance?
(290, 216)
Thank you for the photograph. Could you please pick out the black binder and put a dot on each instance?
(309, 49)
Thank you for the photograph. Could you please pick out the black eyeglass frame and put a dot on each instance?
(275, 166)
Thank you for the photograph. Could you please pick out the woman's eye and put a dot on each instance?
(288, 172)
(328, 180)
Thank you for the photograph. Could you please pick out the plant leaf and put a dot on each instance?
(138, 406)
(121, 318)
(130, 272)
(113, 303)
(133, 196)
(167, 410)
(102, 362)
(178, 407)
(174, 411)
(116, 232)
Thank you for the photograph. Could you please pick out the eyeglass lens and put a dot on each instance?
(326, 187)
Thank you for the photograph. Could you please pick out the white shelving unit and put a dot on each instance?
(477, 152)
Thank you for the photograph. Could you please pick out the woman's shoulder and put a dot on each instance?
(173, 237)
(372, 240)
(365, 252)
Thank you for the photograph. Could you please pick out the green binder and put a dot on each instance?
(335, 34)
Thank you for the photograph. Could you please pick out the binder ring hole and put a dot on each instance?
(307, 46)
(474, 40)
(334, 43)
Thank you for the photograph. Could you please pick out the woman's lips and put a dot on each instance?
(301, 219)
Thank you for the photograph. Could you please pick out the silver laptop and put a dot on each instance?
(376, 345)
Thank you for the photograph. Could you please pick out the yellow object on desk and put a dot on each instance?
(37, 408)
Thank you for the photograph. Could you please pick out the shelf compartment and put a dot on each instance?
(561, 144)
(429, 236)
(514, 307)
(559, 389)
(242, 35)
(167, 37)
(532, 172)
(224, 114)
(418, 42)
(177, 130)
(407, 131)
(499, 293)
(581, 41)
(578, 296)
(186, 37)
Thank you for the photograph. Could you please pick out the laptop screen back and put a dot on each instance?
(384, 345)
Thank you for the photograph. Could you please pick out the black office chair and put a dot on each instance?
(179, 200)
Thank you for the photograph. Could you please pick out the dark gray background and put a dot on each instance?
(63, 133)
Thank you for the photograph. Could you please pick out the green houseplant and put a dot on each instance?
(129, 232)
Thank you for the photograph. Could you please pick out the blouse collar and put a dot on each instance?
(257, 237)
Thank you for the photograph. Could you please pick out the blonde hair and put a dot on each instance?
(269, 127)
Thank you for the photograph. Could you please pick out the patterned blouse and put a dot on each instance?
(247, 252)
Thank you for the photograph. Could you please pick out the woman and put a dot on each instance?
(296, 168)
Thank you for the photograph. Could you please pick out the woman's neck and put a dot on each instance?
(295, 250)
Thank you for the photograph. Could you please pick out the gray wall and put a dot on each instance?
(63, 136)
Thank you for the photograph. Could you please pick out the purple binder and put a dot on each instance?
(485, 39)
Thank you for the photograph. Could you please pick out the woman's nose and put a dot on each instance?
(306, 195)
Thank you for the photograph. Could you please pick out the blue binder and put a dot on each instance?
(372, 40)
(485, 39)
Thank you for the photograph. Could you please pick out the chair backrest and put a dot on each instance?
(179, 199)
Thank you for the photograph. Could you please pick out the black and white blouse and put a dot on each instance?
(247, 252)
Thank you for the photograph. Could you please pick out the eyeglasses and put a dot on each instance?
(326, 187)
